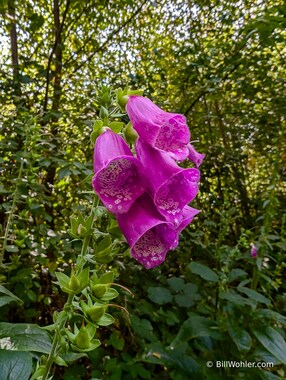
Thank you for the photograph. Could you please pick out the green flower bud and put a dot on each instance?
(99, 290)
(74, 283)
(122, 100)
(130, 134)
(95, 313)
(82, 340)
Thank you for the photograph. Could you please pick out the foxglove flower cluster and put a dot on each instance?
(149, 193)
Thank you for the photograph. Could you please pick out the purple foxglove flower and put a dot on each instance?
(253, 251)
(170, 186)
(162, 130)
(149, 236)
(188, 215)
(194, 156)
(119, 177)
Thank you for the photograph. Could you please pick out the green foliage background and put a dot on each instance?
(222, 64)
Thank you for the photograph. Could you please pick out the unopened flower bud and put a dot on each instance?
(82, 340)
(74, 283)
(96, 312)
(130, 134)
(122, 100)
(253, 251)
(99, 290)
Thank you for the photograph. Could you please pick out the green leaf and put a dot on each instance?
(270, 314)
(159, 295)
(236, 274)
(24, 337)
(203, 271)
(70, 357)
(188, 296)
(11, 248)
(260, 354)
(4, 300)
(240, 337)
(15, 365)
(143, 328)
(195, 326)
(156, 354)
(10, 297)
(272, 341)
(176, 283)
(237, 299)
(116, 340)
(254, 295)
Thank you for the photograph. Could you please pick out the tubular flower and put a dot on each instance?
(162, 130)
(194, 156)
(149, 236)
(170, 186)
(188, 215)
(253, 251)
(119, 177)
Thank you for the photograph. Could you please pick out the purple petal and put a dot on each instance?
(162, 130)
(119, 177)
(188, 215)
(171, 186)
(149, 236)
(194, 156)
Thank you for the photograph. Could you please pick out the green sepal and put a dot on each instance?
(95, 313)
(93, 345)
(138, 92)
(116, 126)
(98, 290)
(130, 134)
(105, 320)
(110, 294)
(60, 361)
(95, 133)
(103, 251)
(82, 339)
(106, 278)
(63, 281)
(103, 113)
(74, 283)
(83, 278)
(38, 373)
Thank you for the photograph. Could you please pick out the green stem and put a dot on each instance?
(255, 278)
(53, 352)
(62, 322)
(11, 215)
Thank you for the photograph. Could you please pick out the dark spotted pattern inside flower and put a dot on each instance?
(150, 250)
(172, 136)
(119, 184)
(176, 193)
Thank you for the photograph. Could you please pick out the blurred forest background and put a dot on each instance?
(222, 64)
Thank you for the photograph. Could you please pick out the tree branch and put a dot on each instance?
(109, 38)
(55, 46)
(202, 93)
(14, 46)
